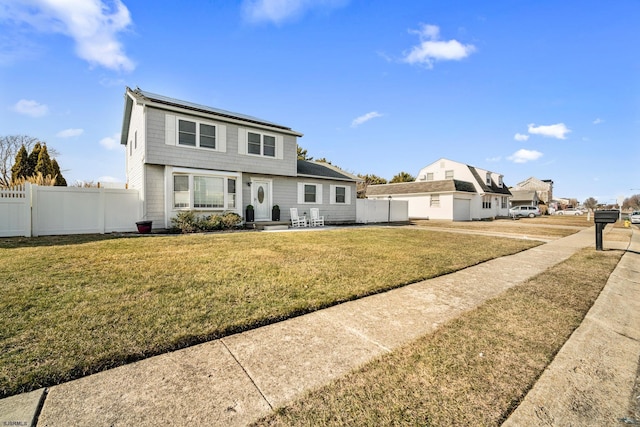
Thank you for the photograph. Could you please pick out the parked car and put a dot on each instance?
(570, 211)
(530, 211)
(635, 217)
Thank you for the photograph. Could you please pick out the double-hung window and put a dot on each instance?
(505, 202)
(435, 201)
(486, 202)
(488, 179)
(261, 145)
(204, 191)
(310, 194)
(448, 174)
(196, 134)
(340, 195)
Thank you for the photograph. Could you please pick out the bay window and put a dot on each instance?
(195, 191)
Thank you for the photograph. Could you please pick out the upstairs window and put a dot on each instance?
(195, 134)
(488, 178)
(448, 174)
(429, 176)
(261, 145)
(500, 181)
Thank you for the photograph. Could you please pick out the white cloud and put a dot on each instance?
(68, 133)
(520, 137)
(92, 24)
(598, 121)
(493, 159)
(364, 118)
(30, 108)
(558, 130)
(279, 11)
(111, 142)
(524, 156)
(431, 49)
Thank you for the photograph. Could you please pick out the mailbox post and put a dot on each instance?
(602, 218)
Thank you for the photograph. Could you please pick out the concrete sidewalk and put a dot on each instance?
(237, 379)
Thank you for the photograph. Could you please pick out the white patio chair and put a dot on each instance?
(316, 219)
(297, 220)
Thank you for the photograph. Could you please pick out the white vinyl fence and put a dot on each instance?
(33, 210)
(373, 211)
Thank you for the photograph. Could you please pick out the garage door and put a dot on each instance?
(461, 210)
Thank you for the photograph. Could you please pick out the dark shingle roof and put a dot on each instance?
(418, 187)
(322, 170)
(493, 188)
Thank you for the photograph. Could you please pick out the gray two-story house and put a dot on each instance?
(185, 156)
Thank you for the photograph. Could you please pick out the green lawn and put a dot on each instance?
(472, 371)
(72, 306)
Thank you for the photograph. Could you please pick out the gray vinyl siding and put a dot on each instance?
(158, 152)
(154, 195)
(285, 195)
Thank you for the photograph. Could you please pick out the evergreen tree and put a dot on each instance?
(60, 181)
(402, 177)
(20, 168)
(43, 164)
(32, 161)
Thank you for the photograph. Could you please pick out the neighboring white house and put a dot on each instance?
(185, 156)
(450, 190)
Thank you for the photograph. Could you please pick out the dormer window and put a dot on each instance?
(500, 181)
(488, 178)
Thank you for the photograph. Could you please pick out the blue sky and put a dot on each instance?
(549, 89)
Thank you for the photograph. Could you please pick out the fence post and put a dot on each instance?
(27, 209)
(34, 209)
(102, 211)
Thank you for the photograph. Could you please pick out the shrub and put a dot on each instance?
(189, 222)
(185, 222)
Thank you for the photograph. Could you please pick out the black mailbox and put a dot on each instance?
(602, 218)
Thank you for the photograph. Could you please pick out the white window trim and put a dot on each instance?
(429, 176)
(488, 179)
(447, 172)
(243, 143)
(332, 195)
(434, 201)
(486, 201)
(172, 131)
(191, 173)
(301, 193)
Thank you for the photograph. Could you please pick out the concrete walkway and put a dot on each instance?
(237, 379)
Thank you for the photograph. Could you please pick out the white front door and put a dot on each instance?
(261, 198)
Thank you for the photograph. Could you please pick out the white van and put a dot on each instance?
(530, 211)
